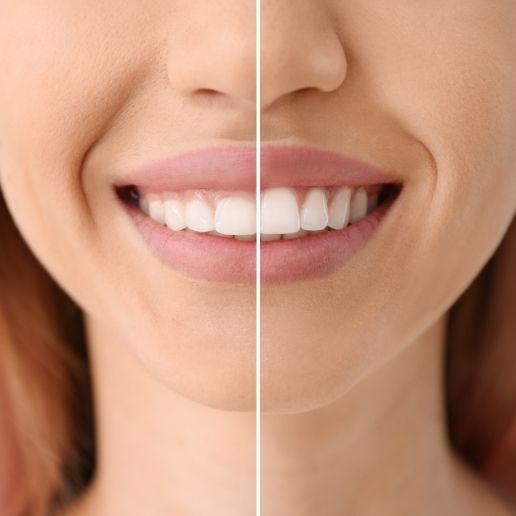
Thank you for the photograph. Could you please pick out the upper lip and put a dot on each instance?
(234, 168)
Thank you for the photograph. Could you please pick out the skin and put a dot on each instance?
(119, 68)
(404, 88)
(113, 85)
(104, 86)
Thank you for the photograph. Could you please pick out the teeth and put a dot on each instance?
(144, 205)
(314, 213)
(286, 213)
(339, 208)
(199, 216)
(156, 208)
(236, 216)
(175, 214)
(358, 209)
(279, 211)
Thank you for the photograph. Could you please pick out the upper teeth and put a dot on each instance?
(284, 211)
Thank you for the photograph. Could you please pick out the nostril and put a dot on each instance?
(209, 97)
(207, 92)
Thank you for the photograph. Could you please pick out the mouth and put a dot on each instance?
(197, 212)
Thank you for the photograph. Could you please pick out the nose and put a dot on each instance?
(216, 54)
(300, 50)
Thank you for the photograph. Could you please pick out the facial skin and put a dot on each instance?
(423, 89)
(98, 87)
(92, 88)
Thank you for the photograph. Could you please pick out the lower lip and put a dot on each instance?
(218, 259)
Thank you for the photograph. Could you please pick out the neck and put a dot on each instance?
(160, 453)
(380, 450)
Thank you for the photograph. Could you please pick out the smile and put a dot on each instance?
(286, 213)
(210, 232)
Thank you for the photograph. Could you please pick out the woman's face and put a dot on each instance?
(426, 91)
(91, 91)
(423, 90)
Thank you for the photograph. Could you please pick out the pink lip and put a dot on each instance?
(219, 259)
(234, 168)
(226, 168)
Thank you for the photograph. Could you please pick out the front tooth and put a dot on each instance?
(156, 208)
(314, 213)
(358, 209)
(268, 238)
(199, 216)
(235, 216)
(339, 208)
(279, 211)
(175, 214)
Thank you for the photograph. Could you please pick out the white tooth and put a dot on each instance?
(175, 214)
(199, 216)
(298, 234)
(279, 211)
(236, 216)
(246, 237)
(339, 208)
(268, 238)
(144, 205)
(358, 209)
(372, 202)
(314, 213)
(156, 208)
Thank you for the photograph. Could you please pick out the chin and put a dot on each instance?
(222, 378)
(296, 390)
(231, 398)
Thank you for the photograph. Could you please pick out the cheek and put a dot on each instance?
(447, 73)
(70, 76)
(68, 72)
(456, 100)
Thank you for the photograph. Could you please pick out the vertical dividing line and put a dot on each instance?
(258, 261)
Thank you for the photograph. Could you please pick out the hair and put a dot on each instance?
(45, 364)
(480, 374)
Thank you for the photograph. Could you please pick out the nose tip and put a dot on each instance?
(300, 51)
(216, 56)
(323, 72)
(219, 74)
(220, 60)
